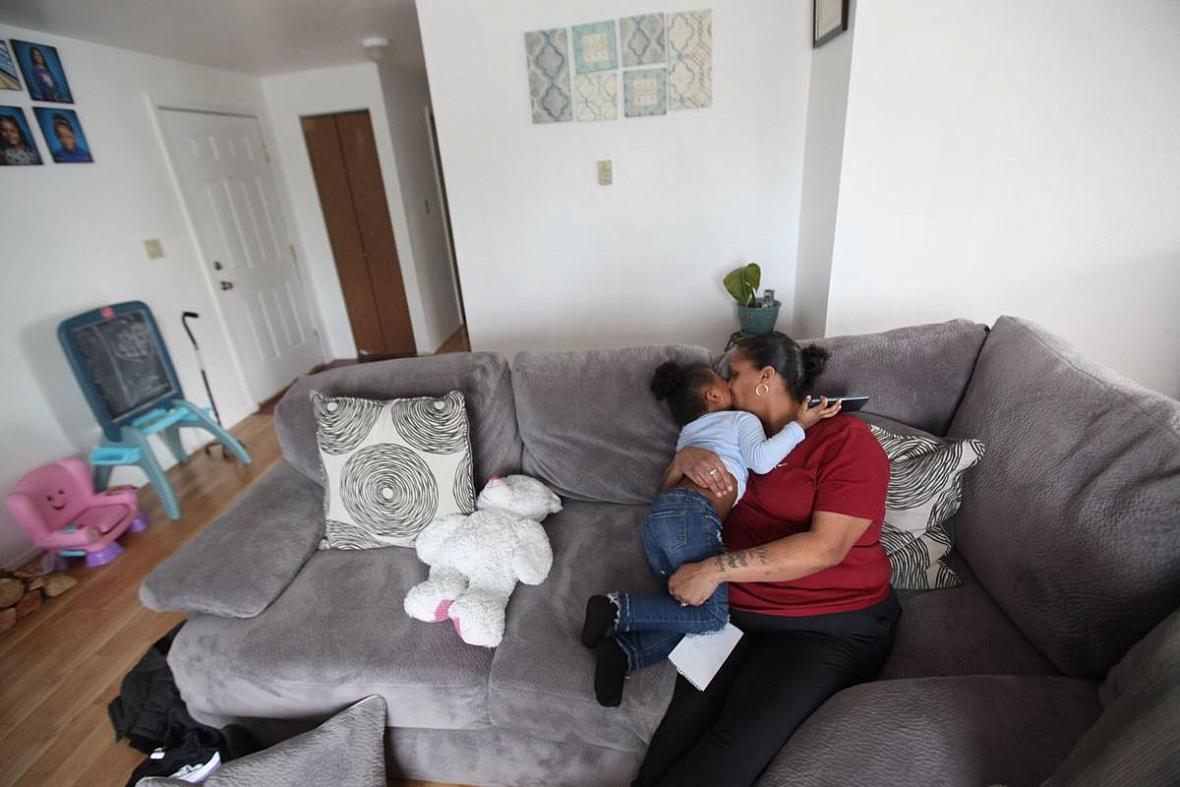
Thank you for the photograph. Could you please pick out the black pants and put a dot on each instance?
(780, 671)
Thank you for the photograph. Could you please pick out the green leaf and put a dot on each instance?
(742, 283)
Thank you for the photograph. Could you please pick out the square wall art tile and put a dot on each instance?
(549, 75)
(596, 96)
(645, 92)
(595, 48)
(642, 39)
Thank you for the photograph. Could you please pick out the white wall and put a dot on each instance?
(73, 240)
(407, 100)
(1020, 158)
(827, 105)
(547, 257)
(344, 89)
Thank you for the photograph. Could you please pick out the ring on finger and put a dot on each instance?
(713, 471)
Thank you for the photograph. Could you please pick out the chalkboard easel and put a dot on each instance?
(126, 374)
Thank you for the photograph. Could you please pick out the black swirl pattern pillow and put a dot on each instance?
(925, 490)
(390, 468)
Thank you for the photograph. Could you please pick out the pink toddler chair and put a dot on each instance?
(57, 506)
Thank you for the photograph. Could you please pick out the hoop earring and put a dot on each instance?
(762, 389)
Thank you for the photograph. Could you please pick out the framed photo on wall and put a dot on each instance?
(831, 19)
(63, 135)
(17, 146)
(8, 78)
(44, 75)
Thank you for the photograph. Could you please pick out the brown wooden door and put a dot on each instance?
(352, 195)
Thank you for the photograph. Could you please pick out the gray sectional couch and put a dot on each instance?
(1058, 659)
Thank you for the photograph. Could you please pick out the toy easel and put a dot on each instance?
(128, 379)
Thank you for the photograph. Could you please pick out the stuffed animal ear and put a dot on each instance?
(533, 557)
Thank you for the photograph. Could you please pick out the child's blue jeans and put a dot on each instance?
(681, 527)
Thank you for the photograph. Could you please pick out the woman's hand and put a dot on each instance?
(704, 468)
(693, 583)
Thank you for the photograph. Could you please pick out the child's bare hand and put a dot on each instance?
(810, 416)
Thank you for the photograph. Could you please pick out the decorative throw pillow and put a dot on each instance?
(925, 490)
(390, 468)
(348, 749)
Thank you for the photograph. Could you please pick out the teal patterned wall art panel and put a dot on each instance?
(595, 48)
(642, 39)
(549, 75)
(658, 62)
(596, 96)
(690, 60)
(645, 92)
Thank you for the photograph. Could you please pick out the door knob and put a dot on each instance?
(227, 285)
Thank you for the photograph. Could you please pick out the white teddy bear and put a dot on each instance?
(475, 561)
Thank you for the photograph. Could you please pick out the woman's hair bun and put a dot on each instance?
(815, 359)
(668, 378)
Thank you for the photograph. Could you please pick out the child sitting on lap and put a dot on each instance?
(684, 522)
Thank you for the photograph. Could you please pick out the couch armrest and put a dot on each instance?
(1136, 740)
(245, 558)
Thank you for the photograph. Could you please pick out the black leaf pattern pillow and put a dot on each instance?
(925, 490)
(392, 467)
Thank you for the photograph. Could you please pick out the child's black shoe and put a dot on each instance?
(610, 672)
(600, 620)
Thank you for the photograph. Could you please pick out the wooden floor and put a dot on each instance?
(61, 666)
(458, 343)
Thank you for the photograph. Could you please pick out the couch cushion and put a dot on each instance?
(1072, 523)
(338, 633)
(482, 377)
(976, 730)
(241, 562)
(1137, 738)
(959, 631)
(542, 677)
(591, 427)
(916, 375)
(504, 757)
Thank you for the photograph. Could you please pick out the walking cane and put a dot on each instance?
(184, 318)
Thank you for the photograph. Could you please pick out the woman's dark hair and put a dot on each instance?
(682, 386)
(799, 367)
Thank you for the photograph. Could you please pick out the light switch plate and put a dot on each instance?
(606, 175)
(155, 249)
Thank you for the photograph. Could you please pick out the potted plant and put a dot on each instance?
(756, 315)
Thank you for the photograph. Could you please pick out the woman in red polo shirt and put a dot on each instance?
(808, 581)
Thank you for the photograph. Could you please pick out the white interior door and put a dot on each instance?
(232, 200)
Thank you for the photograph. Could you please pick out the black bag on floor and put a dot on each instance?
(141, 712)
(151, 715)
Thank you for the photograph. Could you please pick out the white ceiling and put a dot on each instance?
(255, 36)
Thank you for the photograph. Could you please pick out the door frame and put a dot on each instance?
(157, 103)
(444, 207)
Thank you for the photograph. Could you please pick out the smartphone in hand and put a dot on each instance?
(850, 403)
